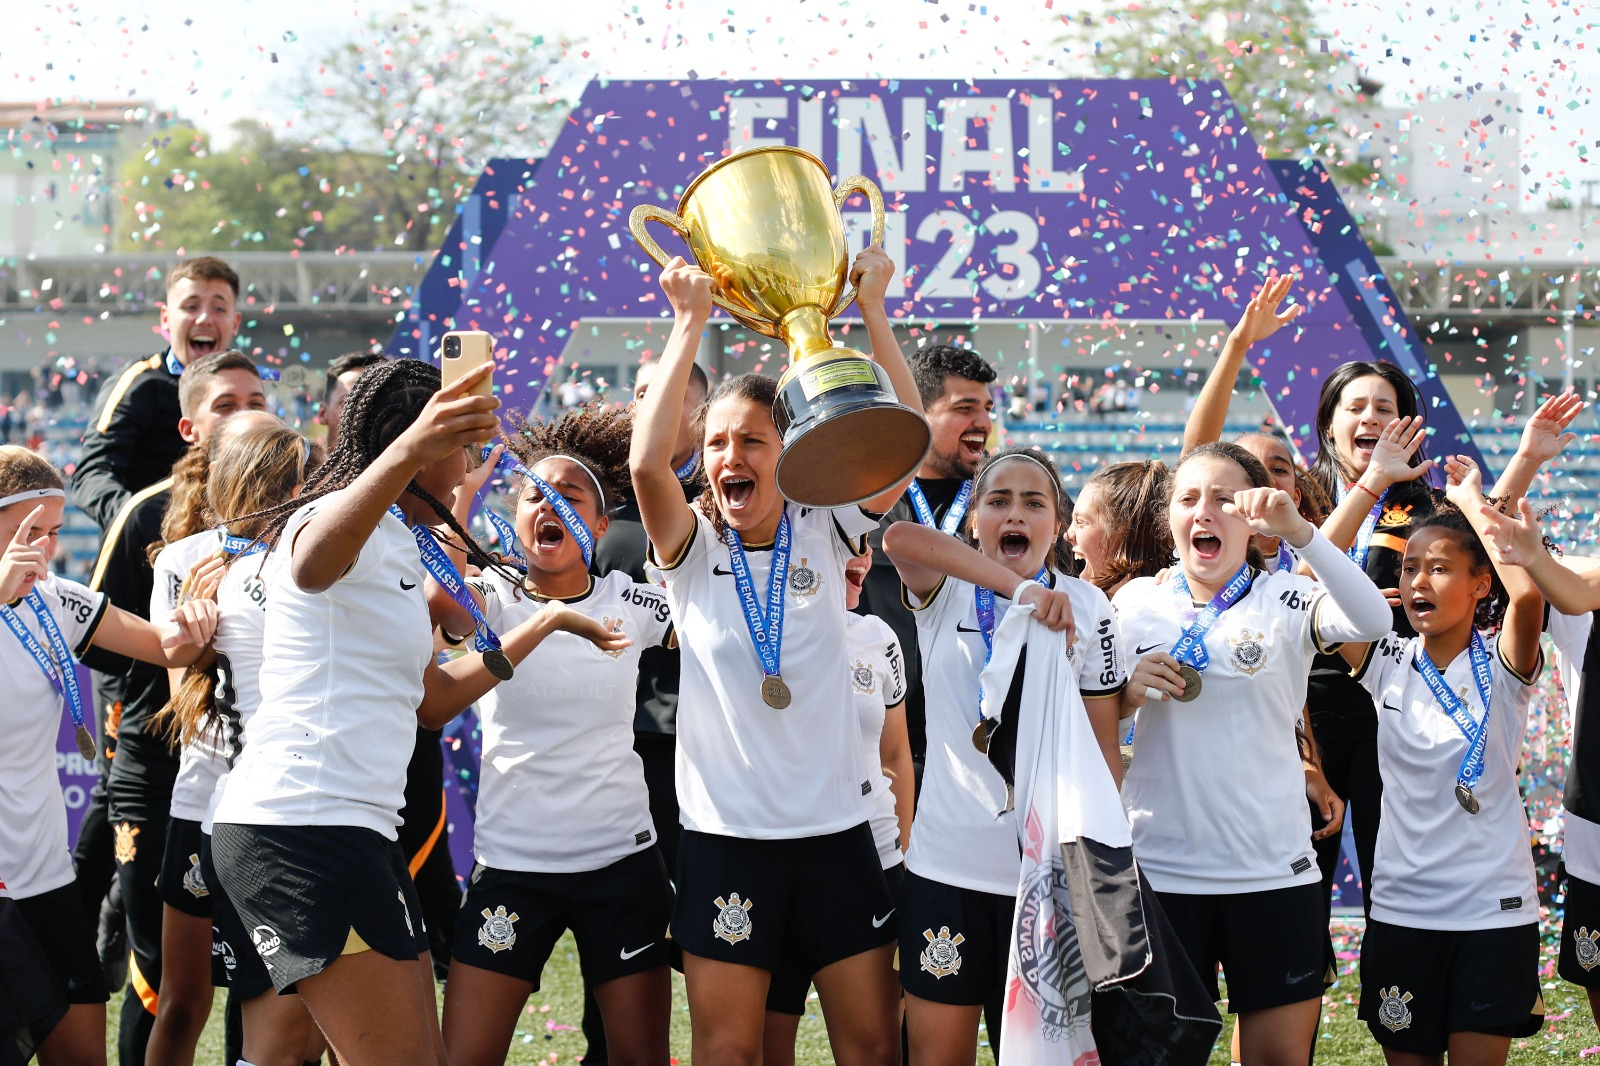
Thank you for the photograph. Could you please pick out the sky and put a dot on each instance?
(237, 58)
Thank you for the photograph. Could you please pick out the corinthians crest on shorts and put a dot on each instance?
(804, 581)
(732, 922)
(193, 883)
(1585, 948)
(862, 678)
(1393, 1012)
(1249, 651)
(942, 956)
(498, 932)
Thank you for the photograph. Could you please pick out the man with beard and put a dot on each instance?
(954, 384)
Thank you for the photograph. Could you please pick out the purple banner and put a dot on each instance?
(1025, 200)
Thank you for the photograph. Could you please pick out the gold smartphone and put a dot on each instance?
(463, 351)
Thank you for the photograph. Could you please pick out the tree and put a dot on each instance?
(421, 99)
(1287, 82)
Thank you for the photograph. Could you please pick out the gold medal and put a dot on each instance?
(85, 743)
(498, 664)
(1191, 683)
(775, 693)
(1468, 801)
(981, 734)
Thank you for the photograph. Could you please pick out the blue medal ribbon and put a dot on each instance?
(1363, 542)
(766, 629)
(239, 546)
(1477, 734)
(1285, 557)
(689, 469)
(507, 534)
(174, 367)
(1191, 646)
(566, 514)
(983, 606)
(952, 517)
(57, 665)
(445, 574)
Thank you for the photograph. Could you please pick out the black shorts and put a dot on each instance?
(1272, 945)
(183, 885)
(787, 992)
(32, 999)
(510, 920)
(61, 926)
(954, 942)
(1420, 985)
(755, 902)
(234, 962)
(1580, 934)
(308, 894)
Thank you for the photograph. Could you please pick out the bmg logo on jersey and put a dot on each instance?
(1109, 674)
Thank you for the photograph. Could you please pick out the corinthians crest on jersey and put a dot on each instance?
(1585, 948)
(862, 679)
(732, 922)
(1393, 1012)
(804, 581)
(1249, 650)
(942, 956)
(193, 882)
(498, 932)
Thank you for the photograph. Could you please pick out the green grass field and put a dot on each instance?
(549, 1034)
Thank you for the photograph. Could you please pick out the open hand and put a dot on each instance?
(1399, 441)
(1261, 318)
(1545, 435)
(204, 577)
(479, 475)
(1464, 484)
(1514, 540)
(608, 638)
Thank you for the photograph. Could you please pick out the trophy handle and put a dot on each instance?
(651, 213)
(867, 187)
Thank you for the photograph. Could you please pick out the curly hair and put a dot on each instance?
(1060, 555)
(931, 365)
(383, 403)
(597, 436)
(1138, 540)
(1490, 611)
(756, 388)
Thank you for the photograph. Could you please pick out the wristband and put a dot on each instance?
(1358, 485)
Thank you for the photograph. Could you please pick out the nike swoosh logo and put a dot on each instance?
(877, 923)
(1148, 647)
(407, 587)
(626, 954)
(1290, 978)
(720, 572)
(964, 629)
(1390, 707)
(1476, 1006)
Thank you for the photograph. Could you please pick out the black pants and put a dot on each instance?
(659, 753)
(1350, 763)
(141, 899)
(92, 857)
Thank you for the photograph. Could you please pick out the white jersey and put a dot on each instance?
(960, 837)
(558, 737)
(1438, 867)
(200, 762)
(877, 682)
(745, 769)
(33, 819)
(1216, 794)
(341, 681)
(1580, 836)
(241, 627)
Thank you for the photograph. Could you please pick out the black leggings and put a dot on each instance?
(1350, 762)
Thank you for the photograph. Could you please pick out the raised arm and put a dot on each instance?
(872, 272)
(1260, 320)
(1543, 438)
(327, 545)
(668, 522)
(1390, 463)
(1524, 622)
(1519, 541)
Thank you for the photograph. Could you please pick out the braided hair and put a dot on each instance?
(383, 403)
(597, 437)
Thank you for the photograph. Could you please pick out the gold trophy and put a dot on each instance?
(765, 225)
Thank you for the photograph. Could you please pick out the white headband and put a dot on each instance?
(600, 493)
(1034, 459)
(30, 494)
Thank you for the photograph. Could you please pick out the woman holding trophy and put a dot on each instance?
(776, 858)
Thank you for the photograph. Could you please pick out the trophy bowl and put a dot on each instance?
(765, 224)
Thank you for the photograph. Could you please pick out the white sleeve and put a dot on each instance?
(1354, 609)
(1382, 657)
(651, 615)
(894, 667)
(164, 589)
(1101, 672)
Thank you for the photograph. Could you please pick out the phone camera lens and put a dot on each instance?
(452, 347)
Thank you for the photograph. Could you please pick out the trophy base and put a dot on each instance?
(845, 436)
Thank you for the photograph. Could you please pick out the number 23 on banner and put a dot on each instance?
(1011, 272)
